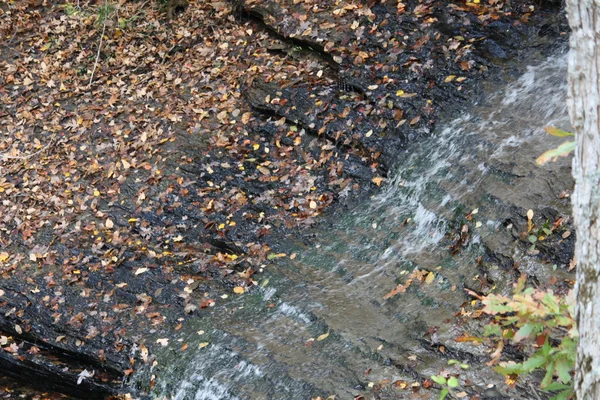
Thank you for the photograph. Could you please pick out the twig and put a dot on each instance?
(534, 391)
(98, 54)
(7, 157)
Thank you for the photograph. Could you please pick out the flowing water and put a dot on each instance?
(272, 343)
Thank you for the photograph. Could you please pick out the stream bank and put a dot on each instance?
(148, 227)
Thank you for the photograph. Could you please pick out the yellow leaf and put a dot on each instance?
(141, 271)
(430, 277)
(4, 256)
(323, 337)
(238, 290)
(203, 345)
(377, 180)
(369, 133)
(96, 192)
(530, 214)
(126, 164)
(313, 204)
(449, 78)
(256, 146)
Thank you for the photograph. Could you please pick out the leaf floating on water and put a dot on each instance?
(377, 180)
(323, 337)
(398, 289)
(530, 214)
(273, 256)
(238, 290)
(163, 342)
(140, 271)
(203, 345)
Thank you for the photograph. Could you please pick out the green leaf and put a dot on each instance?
(452, 382)
(546, 348)
(443, 393)
(533, 362)
(521, 283)
(564, 321)
(492, 330)
(564, 395)
(525, 332)
(464, 366)
(532, 238)
(552, 302)
(554, 386)
(558, 132)
(452, 362)
(509, 367)
(563, 370)
(561, 151)
(440, 380)
(548, 377)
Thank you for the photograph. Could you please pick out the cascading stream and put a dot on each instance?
(264, 345)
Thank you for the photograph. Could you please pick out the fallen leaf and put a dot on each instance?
(377, 180)
(323, 337)
(430, 277)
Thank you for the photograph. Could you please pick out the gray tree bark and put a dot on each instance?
(584, 103)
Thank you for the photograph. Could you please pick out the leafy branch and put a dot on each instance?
(544, 325)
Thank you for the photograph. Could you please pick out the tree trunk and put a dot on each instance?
(584, 103)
